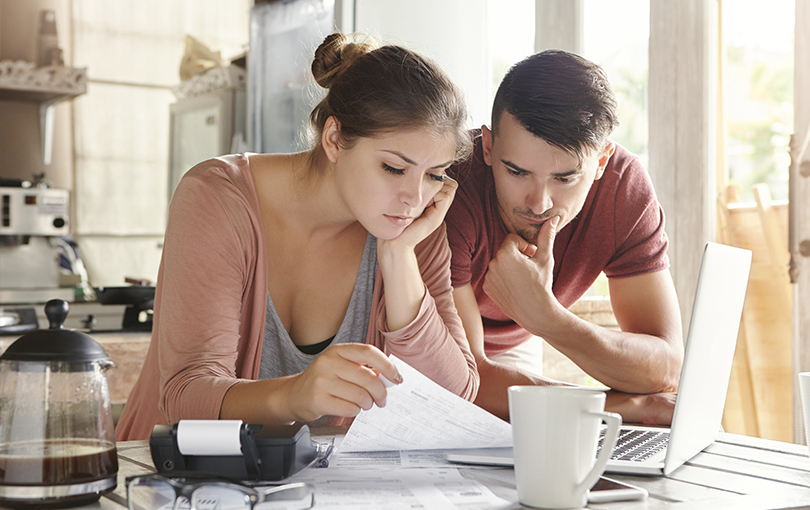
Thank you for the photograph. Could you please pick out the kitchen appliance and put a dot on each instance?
(140, 300)
(232, 448)
(30, 217)
(16, 321)
(57, 438)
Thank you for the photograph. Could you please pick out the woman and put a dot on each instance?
(287, 278)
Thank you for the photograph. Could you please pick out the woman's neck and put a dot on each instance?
(301, 191)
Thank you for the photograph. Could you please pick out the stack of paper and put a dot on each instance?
(421, 415)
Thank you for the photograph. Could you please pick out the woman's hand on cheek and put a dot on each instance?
(432, 216)
(340, 382)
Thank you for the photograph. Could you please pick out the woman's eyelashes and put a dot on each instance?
(401, 171)
(395, 171)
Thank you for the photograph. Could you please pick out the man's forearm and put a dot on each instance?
(496, 378)
(493, 396)
(653, 409)
(625, 361)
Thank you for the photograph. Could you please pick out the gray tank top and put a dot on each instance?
(281, 357)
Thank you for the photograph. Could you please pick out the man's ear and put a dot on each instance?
(330, 138)
(486, 138)
(607, 152)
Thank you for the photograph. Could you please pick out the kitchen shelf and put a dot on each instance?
(22, 81)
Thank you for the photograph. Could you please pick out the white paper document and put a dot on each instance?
(421, 415)
(406, 489)
(392, 459)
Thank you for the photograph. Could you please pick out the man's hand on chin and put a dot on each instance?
(519, 279)
(652, 409)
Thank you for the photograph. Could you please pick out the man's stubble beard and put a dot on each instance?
(529, 234)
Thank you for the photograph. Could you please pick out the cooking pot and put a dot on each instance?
(57, 439)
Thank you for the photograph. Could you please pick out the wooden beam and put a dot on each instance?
(558, 25)
(801, 120)
(682, 134)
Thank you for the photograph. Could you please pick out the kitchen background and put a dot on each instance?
(706, 98)
(111, 145)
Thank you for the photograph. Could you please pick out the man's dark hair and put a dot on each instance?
(560, 97)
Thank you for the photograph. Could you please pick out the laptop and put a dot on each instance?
(708, 357)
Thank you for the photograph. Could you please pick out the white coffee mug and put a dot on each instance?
(555, 432)
(804, 392)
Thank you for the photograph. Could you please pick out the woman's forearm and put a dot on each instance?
(403, 284)
(261, 401)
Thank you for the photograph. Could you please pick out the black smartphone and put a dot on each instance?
(608, 489)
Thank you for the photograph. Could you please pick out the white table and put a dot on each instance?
(736, 472)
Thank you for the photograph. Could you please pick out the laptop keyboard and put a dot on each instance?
(637, 445)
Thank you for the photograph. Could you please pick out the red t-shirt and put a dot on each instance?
(620, 231)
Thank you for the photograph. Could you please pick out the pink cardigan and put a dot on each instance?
(211, 298)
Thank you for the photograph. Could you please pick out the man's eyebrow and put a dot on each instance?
(567, 173)
(514, 166)
(408, 160)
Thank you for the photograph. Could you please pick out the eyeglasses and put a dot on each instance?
(204, 492)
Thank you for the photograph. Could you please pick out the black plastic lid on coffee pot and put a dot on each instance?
(55, 343)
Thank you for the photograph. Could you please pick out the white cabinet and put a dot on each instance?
(204, 127)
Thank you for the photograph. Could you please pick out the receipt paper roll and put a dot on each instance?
(209, 437)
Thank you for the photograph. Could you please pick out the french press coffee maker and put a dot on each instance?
(57, 439)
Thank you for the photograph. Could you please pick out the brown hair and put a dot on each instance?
(560, 97)
(375, 90)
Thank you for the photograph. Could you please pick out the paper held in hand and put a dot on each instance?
(421, 415)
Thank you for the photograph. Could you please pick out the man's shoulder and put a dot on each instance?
(623, 161)
(476, 155)
(624, 194)
(472, 172)
(470, 217)
(625, 176)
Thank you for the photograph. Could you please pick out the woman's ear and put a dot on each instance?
(330, 138)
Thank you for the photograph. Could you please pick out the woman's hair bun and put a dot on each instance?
(335, 54)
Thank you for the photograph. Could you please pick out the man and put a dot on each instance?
(545, 204)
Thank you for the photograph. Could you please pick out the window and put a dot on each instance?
(758, 93)
(616, 36)
(511, 38)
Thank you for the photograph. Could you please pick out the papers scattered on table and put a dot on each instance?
(421, 415)
(405, 489)
(392, 459)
